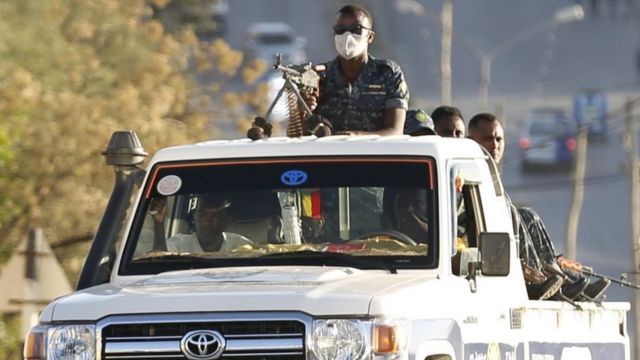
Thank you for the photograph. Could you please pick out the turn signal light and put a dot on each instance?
(385, 339)
(34, 346)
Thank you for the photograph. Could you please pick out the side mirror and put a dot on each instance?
(495, 249)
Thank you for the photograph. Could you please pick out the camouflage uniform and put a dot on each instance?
(360, 106)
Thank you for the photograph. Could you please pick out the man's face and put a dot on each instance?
(411, 214)
(490, 135)
(210, 221)
(450, 126)
(359, 19)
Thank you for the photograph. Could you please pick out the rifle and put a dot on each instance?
(298, 80)
(622, 281)
(586, 270)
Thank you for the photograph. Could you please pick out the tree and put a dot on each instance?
(72, 72)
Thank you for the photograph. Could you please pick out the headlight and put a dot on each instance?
(350, 339)
(64, 342)
(340, 339)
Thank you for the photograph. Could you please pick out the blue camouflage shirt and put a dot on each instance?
(360, 106)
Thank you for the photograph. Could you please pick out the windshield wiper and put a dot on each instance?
(336, 257)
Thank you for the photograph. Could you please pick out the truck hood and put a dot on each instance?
(313, 290)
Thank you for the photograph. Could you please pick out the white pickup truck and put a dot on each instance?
(313, 248)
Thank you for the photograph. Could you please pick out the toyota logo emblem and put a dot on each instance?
(202, 345)
(293, 177)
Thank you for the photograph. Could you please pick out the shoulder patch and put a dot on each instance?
(403, 87)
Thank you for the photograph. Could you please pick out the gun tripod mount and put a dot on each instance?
(298, 80)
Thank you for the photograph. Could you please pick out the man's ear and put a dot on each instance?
(372, 36)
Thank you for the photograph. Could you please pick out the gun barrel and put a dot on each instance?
(286, 70)
(621, 282)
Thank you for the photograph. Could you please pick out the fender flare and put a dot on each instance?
(435, 347)
(435, 336)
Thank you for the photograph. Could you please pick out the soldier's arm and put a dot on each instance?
(393, 121)
(396, 102)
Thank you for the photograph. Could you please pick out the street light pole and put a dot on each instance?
(561, 16)
(631, 143)
(446, 18)
(445, 53)
(485, 78)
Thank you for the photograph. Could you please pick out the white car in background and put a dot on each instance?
(266, 39)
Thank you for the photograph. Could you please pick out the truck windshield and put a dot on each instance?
(373, 212)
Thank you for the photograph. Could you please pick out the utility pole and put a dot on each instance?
(563, 15)
(578, 193)
(485, 79)
(446, 19)
(632, 141)
(445, 54)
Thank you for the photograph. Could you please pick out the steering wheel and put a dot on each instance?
(396, 235)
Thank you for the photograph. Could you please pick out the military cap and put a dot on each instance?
(418, 122)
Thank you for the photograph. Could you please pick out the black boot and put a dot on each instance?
(575, 288)
(595, 290)
(546, 289)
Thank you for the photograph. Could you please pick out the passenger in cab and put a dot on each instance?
(448, 122)
(211, 218)
(359, 94)
(411, 214)
(417, 123)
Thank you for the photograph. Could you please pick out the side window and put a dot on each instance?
(469, 220)
(466, 210)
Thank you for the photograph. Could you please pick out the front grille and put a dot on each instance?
(248, 337)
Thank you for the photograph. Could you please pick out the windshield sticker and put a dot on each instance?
(169, 185)
(294, 177)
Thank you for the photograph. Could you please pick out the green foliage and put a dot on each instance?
(72, 72)
(10, 341)
(5, 152)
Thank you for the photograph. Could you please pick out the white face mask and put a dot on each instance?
(350, 45)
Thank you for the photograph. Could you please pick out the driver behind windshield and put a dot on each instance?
(411, 214)
(211, 217)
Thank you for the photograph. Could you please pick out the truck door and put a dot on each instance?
(485, 318)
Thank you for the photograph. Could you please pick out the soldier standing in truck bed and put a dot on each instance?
(359, 94)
